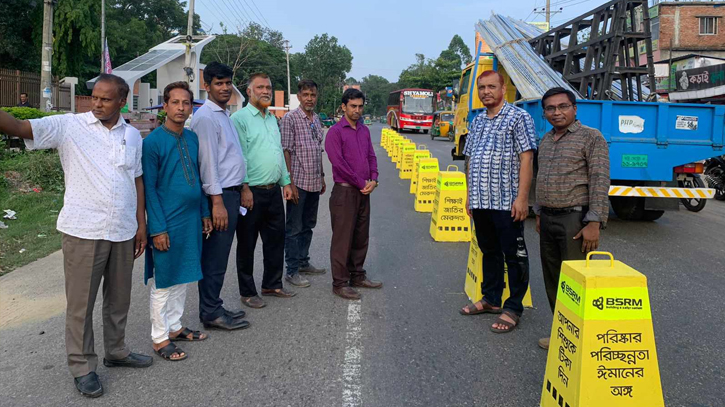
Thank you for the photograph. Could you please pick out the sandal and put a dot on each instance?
(471, 309)
(509, 326)
(183, 336)
(167, 351)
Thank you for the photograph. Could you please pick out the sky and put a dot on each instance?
(383, 36)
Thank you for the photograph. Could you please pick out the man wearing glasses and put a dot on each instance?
(572, 189)
(302, 142)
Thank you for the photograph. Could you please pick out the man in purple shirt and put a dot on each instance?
(355, 171)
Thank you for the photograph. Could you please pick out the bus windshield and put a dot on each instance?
(418, 105)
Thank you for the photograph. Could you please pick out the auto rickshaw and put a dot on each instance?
(368, 120)
(326, 121)
(442, 125)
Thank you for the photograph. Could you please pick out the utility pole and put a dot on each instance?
(103, 36)
(189, 40)
(289, 87)
(547, 12)
(46, 75)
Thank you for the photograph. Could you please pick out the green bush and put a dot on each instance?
(26, 113)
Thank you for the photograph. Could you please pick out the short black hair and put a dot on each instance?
(23, 93)
(558, 91)
(217, 70)
(177, 85)
(121, 85)
(306, 84)
(351, 94)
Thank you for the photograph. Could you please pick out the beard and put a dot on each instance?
(264, 102)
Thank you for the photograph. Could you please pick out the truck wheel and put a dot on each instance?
(627, 208)
(651, 215)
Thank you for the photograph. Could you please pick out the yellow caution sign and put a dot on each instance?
(602, 351)
(406, 164)
(474, 275)
(449, 221)
(391, 143)
(397, 147)
(425, 191)
(384, 137)
(407, 148)
(417, 156)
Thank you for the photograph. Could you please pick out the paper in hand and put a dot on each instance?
(242, 210)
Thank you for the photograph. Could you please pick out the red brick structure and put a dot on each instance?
(688, 27)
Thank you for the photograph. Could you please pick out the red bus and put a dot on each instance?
(411, 109)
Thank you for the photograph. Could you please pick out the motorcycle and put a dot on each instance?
(714, 175)
(692, 181)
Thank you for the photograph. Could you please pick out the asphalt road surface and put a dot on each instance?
(404, 345)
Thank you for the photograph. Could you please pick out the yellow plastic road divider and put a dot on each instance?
(384, 137)
(662, 192)
(406, 164)
(391, 144)
(405, 149)
(474, 275)
(397, 149)
(449, 221)
(602, 351)
(417, 156)
(425, 191)
(399, 153)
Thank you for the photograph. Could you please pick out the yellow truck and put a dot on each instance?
(467, 93)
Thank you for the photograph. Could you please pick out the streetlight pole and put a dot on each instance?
(189, 39)
(289, 87)
(46, 75)
(103, 36)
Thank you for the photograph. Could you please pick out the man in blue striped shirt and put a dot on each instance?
(499, 164)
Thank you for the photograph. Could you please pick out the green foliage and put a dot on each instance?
(20, 34)
(437, 73)
(26, 113)
(327, 63)
(376, 89)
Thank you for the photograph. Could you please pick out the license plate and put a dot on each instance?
(417, 127)
(634, 161)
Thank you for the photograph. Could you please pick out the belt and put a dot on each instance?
(564, 211)
(269, 186)
(235, 188)
(344, 184)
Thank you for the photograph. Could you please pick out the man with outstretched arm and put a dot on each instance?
(102, 222)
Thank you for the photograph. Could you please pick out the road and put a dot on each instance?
(404, 345)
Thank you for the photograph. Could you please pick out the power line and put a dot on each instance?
(247, 12)
(260, 13)
(237, 16)
(213, 11)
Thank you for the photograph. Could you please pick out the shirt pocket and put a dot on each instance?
(128, 157)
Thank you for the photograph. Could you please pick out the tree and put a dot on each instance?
(327, 63)
(459, 48)
(438, 73)
(21, 27)
(257, 32)
(351, 81)
(376, 89)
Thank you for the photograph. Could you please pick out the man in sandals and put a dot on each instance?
(499, 165)
(178, 214)
(102, 222)
(572, 192)
(266, 182)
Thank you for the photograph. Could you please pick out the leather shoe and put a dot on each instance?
(89, 385)
(279, 292)
(235, 314)
(227, 323)
(254, 302)
(310, 269)
(132, 360)
(367, 284)
(347, 293)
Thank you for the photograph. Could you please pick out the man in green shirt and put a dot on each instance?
(261, 195)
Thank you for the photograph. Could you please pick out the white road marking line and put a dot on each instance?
(351, 369)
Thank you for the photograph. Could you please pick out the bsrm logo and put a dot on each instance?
(617, 303)
(566, 289)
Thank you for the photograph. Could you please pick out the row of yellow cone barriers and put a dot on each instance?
(602, 350)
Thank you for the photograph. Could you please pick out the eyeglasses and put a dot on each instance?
(562, 108)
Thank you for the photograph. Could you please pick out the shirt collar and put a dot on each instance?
(571, 129)
(503, 107)
(213, 106)
(346, 123)
(301, 113)
(256, 111)
(90, 119)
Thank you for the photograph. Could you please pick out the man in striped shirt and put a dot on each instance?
(572, 189)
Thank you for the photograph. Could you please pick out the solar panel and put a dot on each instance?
(149, 60)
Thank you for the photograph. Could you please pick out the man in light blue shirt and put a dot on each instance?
(266, 172)
(222, 169)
